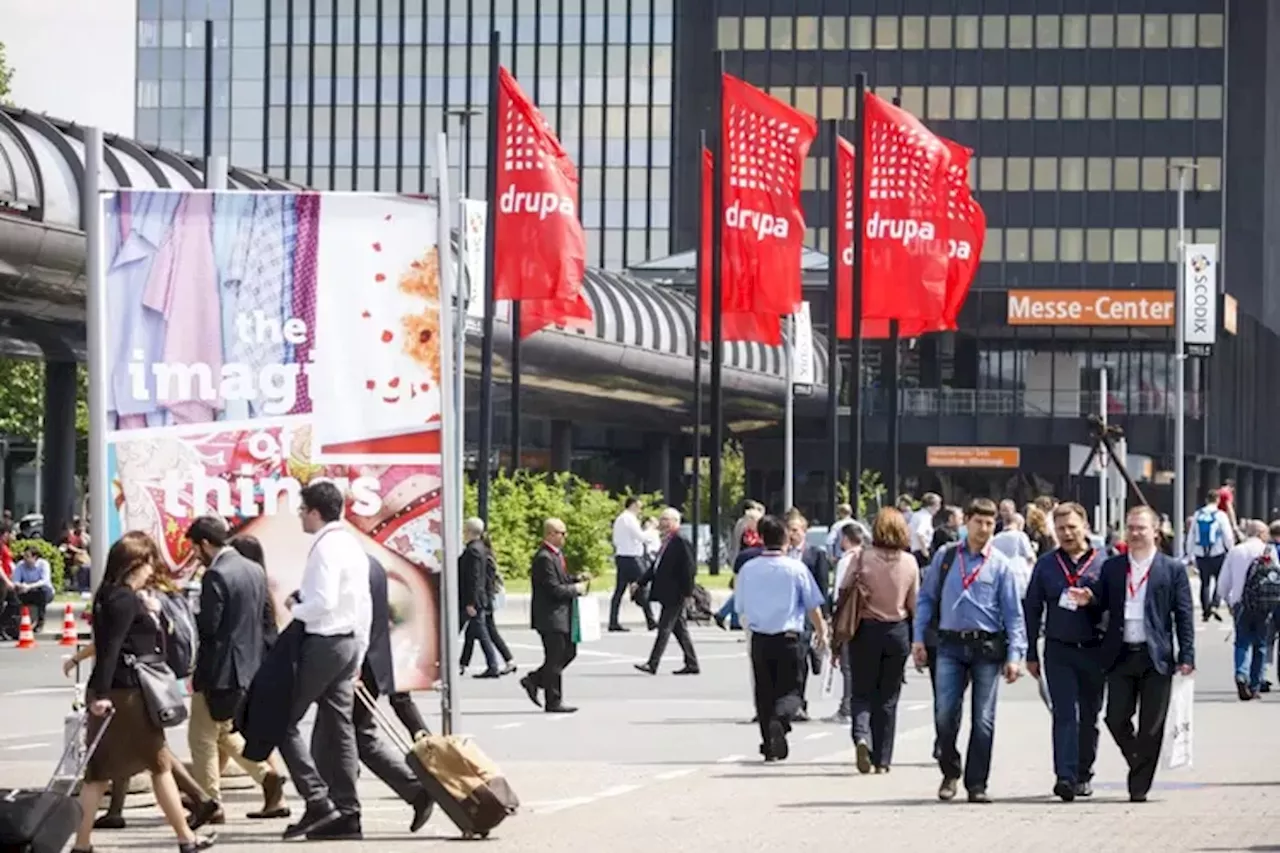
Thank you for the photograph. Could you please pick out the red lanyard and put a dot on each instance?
(1128, 580)
(1073, 577)
(966, 578)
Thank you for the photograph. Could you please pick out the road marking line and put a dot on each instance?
(509, 726)
(917, 706)
(730, 759)
(25, 746)
(25, 735)
(38, 691)
(817, 736)
(561, 805)
(617, 791)
(668, 775)
(557, 718)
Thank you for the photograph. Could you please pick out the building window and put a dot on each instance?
(833, 30)
(1099, 179)
(833, 102)
(1075, 31)
(939, 106)
(993, 246)
(753, 33)
(1071, 174)
(1017, 174)
(1019, 103)
(1125, 246)
(1154, 104)
(992, 102)
(1209, 102)
(1127, 174)
(1155, 31)
(1129, 31)
(1211, 31)
(1101, 31)
(1182, 31)
(1047, 31)
(886, 32)
(860, 32)
(1021, 32)
(728, 34)
(1209, 175)
(1097, 242)
(1045, 174)
(1128, 102)
(990, 174)
(1154, 246)
(1075, 102)
(1155, 174)
(940, 32)
(806, 33)
(967, 36)
(1182, 102)
(914, 33)
(780, 33)
(1100, 102)
(1017, 246)
(1071, 245)
(1044, 245)
(1046, 102)
(913, 100)
(993, 31)
(964, 102)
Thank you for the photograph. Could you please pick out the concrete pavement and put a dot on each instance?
(667, 762)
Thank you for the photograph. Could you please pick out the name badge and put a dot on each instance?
(1065, 602)
(1132, 610)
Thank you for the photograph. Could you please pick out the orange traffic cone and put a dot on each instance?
(26, 637)
(69, 634)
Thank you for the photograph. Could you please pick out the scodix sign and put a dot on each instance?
(1199, 319)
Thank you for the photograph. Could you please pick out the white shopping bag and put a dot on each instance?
(586, 619)
(1178, 731)
(828, 675)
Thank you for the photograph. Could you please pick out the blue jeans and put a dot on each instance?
(727, 612)
(1251, 642)
(958, 666)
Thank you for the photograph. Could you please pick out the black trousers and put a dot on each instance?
(671, 621)
(558, 651)
(1209, 569)
(774, 660)
(38, 600)
(407, 712)
(629, 572)
(1075, 683)
(10, 611)
(1135, 686)
(877, 656)
(932, 664)
(482, 629)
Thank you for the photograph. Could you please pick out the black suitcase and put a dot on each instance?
(43, 821)
(476, 816)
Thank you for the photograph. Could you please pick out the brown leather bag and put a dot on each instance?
(848, 607)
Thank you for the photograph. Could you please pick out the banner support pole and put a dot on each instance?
(451, 525)
(855, 359)
(91, 217)
(835, 218)
(700, 262)
(717, 300)
(789, 426)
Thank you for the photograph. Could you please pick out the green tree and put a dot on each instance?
(870, 491)
(733, 487)
(6, 76)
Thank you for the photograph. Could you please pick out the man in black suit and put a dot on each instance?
(377, 674)
(231, 629)
(817, 561)
(474, 602)
(671, 577)
(1145, 597)
(551, 612)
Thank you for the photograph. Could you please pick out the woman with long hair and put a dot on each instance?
(887, 579)
(126, 625)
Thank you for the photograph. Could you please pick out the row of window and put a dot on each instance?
(1068, 174)
(1074, 245)
(1018, 103)
(200, 9)
(969, 32)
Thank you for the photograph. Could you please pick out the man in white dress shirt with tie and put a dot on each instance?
(628, 556)
(334, 605)
(1147, 599)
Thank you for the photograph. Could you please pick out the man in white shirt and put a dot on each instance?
(1250, 628)
(628, 555)
(921, 527)
(335, 606)
(1209, 537)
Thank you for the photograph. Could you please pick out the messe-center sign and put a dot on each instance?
(1090, 308)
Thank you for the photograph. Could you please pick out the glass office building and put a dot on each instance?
(1078, 111)
(350, 94)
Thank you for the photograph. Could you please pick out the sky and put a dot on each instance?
(73, 59)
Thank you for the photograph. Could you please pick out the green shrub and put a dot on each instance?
(47, 551)
(870, 491)
(733, 487)
(519, 503)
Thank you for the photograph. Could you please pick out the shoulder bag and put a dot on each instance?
(161, 692)
(848, 606)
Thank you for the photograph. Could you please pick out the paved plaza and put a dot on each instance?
(671, 763)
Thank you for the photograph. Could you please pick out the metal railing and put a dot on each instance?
(1031, 403)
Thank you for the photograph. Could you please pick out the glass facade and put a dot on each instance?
(350, 94)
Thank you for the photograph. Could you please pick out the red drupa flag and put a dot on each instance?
(763, 143)
(906, 229)
(538, 314)
(760, 328)
(541, 249)
(968, 231)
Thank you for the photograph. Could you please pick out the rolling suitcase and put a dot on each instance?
(455, 773)
(43, 821)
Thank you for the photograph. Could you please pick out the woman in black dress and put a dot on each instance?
(126, 622)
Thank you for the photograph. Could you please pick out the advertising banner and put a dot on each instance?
(803, 369)
(1200, 297)
(260, 341)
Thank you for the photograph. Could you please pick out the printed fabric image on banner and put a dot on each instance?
(210, 305)
(378, 335)
(162, 479)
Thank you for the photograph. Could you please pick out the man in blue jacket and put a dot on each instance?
(1146, 598)
(1072, 637)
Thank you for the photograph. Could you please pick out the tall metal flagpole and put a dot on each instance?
(895, 397)
(461, 298)
(717, 326)
(207, 127)
(451, 524)
(483, 459)
(99, 361)
(700, 263)
(789, 430)
(1104, 459)
(855, 360)
(1180, 372)
(835, 218)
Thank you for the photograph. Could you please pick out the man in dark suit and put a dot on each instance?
(551, 611)
(671, 577)
(1145, 597)
(474, 601)
(377, 674)
(231, 630)
(817, 561)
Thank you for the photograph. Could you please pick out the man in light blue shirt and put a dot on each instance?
(975, 609)
(33, 580)
(776, 597)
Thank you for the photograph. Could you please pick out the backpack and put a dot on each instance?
(1262, 586)
(698, 606)
(1207, 532)
(180, 633)
(944, 569)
